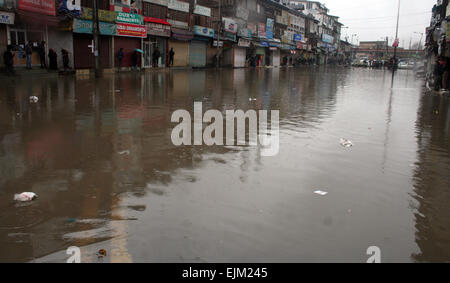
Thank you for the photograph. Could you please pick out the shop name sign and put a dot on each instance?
(298, 37)
(244, 42)
(158, 29)
(129, 18)
(7, 18)
(84, 26)
(203, 31)
(230, 25)
(103, 15)
(203, 11)
(327, 38)
(164, 3)
(131, 30)
(179, 6)
(46, 7)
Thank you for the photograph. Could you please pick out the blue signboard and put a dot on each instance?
(203, 31)
(83, 26)
(265, 43)
(298, 37)
(269, 28)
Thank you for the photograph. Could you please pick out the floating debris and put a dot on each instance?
(34, 99)
(125, 152)
(101, 253)
(252, 99)
(321, 193)
(346, 143)
(26, 196)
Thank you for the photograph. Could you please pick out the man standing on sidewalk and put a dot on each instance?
(29, 53)
(42, 55)
(171, 57)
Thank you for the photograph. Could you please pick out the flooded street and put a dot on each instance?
(99, 156)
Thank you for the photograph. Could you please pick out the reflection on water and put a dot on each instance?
(98, 153)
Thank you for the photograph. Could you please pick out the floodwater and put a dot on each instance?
(100, 157)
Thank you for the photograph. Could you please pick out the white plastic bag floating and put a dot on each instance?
(34, 99)
(346, 143)
(321, 193)
(26, 196)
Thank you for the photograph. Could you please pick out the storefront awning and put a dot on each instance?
(156, 21)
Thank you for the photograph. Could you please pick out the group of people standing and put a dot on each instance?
(135, 58)
(8, 57)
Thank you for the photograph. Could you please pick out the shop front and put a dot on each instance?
(180, 43)
(83, 44)
(31, 25)
(241, 53)
(6, 19)
(158, 32)
(198, 46)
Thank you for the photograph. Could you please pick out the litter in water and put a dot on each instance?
(34, 99)
(321, 193)
(125, 152)
(346, 143)
(26, 196)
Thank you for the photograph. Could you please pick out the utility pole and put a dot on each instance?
(96, 32)
(219, 28)
(396, 38)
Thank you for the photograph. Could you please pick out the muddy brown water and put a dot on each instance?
(99, 155)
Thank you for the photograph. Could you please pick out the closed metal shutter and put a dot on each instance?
(82, 51)
(197, 54)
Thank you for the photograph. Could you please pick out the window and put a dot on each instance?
(154, 11)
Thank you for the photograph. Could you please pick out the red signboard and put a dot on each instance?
(46, 7)
(131, 30)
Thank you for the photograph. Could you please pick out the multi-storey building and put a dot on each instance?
(244, 33)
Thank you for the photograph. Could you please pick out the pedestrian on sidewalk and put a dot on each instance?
(65, 56)
(156, 54)
(53, 58)
(42, 55)
(29, 54)
(171, 57)
(135, 60)
(120, 56)
(8, 59)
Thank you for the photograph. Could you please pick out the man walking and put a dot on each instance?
(29, 54)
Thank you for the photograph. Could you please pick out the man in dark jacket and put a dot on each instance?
(156, 55)
(29, 53)
(8, 59)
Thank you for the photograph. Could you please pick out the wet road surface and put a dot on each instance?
(99, 155)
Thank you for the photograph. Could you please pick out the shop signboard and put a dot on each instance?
(179, 6)
(327, 38)
(46, 7)
(253, 29)
(269, 28)
(7, 18)
(103, 15)
(230, 25)
(202, 11)
(129, 18)
(84, 26)
(131, 30)
(298, 37)
(262, 30)
(158, 29)
(244, 42)
(245, 32)
(203, 31)
(164, 3)
(72, 7)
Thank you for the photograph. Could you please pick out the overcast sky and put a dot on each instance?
(374, 19)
